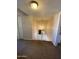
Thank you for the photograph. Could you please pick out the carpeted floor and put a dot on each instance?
(31, 49)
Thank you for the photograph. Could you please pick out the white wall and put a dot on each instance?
(27, 27)
(24, 27)
(19, 25)
(45, 24)
(58, 39)
(55, 28)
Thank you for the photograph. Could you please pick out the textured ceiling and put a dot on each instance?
(46, 7)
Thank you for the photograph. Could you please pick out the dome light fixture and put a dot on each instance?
(34, 4)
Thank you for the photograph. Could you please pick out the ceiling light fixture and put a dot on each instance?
(34, 5)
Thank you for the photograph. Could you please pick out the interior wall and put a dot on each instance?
(19, 25)
(58, 39)
(24, 27)
(27, 27)
(55, 28)
(43, 23)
